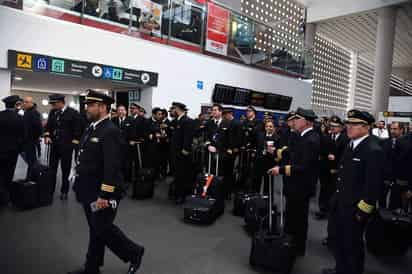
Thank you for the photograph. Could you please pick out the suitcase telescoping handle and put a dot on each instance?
(270, 200)
(46, 156)
(139, 156)
(210, 164)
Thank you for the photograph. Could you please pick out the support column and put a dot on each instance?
(310, 34)
(385, 37)
(5, 85)
(352, 83)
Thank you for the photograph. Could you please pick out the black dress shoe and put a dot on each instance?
(329, 271)
(63, 197)
(135, 265)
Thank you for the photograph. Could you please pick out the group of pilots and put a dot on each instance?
(355, 168)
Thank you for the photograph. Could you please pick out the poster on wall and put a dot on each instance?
(217, 29)
(150, 19)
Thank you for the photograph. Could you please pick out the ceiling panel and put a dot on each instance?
(358, 33)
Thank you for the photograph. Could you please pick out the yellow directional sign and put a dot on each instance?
(24, 61)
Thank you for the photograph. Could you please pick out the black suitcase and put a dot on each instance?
(24, 194)
(45, 179)
(205, 205)
(388, 233)
(272, 250)
(239, 202)
(143, 185)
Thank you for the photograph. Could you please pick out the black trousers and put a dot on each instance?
(8, 163)
(64, 154)
(348, 246)
(327, 188)
(296, 220)
(228, 165)
(30, 157)
(183, 175)
(103, 233)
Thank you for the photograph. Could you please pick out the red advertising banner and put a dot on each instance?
(217, 29)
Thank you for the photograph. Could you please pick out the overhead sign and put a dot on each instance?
(397, 114)
(217, 29)
(72, 68)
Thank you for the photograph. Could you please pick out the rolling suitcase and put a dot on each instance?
(257, 210)
(45, 179)
(143, 185)
(239, 202)
(207, 203)
(272, 250)
(388, 233)
(24, 194)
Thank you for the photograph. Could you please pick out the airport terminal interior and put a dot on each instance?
(227, 117)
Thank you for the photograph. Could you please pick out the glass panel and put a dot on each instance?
(115, 11)
(241, 39)
(68, 10)
(263, 47)
(187, 22)
(17, 4)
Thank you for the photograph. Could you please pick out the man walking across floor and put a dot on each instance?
(99, 187)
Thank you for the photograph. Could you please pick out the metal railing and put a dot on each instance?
(183, 24)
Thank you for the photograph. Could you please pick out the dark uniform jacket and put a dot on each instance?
(251, 129)
(11, 125)
(303, 170)
(64, 129)
(265, 159)
(391, 154)
(360, 176)
(32, 126)
(99, 163)
(182, 138)
(225, 136)
(326, 144)
(337, 148)
(404, 172)
(126, 127)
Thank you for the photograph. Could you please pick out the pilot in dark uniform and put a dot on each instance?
(125, 124)
(302, 173)
(98, 187)
(336, 147)
(63, 130)
(359, 182)
(221, 139)
(11, 138)
(181, 151)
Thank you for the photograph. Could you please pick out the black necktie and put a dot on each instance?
(351, 145)
(393, 143)
(86, 135)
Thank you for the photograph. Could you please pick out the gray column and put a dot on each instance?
(383, 59)
(5, 85)
(310, 33)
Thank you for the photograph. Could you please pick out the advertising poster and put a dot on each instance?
(217, 29)
(150, 19)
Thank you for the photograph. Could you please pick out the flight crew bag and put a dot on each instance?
(143, 185)
(273, 250)
(207, 203)
(256, 210)
(24, 194)
(388, 233)
(43, 175)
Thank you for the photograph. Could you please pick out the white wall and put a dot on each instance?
(5, 85)
(178, 69)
